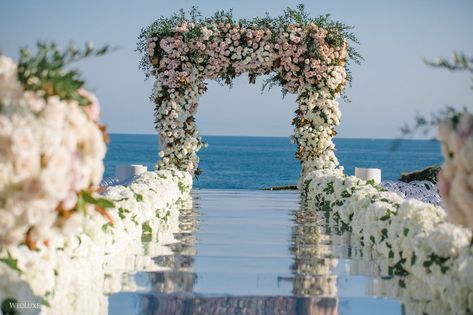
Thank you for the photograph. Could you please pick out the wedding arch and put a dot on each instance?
(305, 56)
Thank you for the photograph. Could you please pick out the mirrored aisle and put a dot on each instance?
(250, 252)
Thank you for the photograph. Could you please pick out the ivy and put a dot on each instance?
(346, 194)
(414, 258)
(106, 226)
(146, 228)
(138, 197)
(329, 189)
(435, 259)
(182, 187)
(384, 234)
(122, 212)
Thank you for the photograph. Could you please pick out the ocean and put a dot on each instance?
(259, 162)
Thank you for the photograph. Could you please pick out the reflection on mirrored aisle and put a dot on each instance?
(250, 252)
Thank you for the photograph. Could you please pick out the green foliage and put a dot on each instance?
(460, 62)
(182, 187)
(45, 72)
(99, 202)
(106, 226)
(138, 197)
(163, 27)
(422, 124)
(122, 212)
(435, 259)
(329, 189)
(146, 228)
(11, 262)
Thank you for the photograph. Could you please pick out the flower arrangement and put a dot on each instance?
(306, 56)
(409, 237)
(456, 177)
(51, 147)
(56, 278)
(57, 230)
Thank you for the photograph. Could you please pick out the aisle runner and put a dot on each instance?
(249, 252)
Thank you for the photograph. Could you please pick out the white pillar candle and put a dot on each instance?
(368, 174)
(127, 171)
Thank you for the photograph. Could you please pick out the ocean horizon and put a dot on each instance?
(256, 162)
(258, 136)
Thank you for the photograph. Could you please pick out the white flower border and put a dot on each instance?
(411, 238)
(60, 278)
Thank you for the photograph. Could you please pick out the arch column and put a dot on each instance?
(314, 128)
(179, 137)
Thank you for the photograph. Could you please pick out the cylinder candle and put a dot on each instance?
(127, 171)
(368, 174)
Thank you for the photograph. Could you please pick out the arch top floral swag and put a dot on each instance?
(305, 56)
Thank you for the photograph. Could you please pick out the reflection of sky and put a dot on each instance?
(253, 248)
(363, 306)
(243, 242)
(389, 88)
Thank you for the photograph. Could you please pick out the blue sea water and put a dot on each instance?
(258, 162)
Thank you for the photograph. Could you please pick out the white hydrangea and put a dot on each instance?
(50, 150)
(409, 236)
(71, 278)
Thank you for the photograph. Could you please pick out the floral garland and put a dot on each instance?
(305, 56)
(409, 237)
(51, 145)
(456, 177)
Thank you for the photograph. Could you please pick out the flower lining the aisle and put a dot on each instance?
(410, 237)
(58, 279)
(57, 232)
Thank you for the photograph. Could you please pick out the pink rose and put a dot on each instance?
(443, 185)
(93, 109)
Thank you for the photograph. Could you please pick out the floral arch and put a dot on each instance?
(305, 56)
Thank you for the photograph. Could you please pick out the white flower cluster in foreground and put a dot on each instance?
(456, 176)
(411, 238)
(71, 279)
(50, 150)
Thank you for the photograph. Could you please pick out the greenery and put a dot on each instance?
(289, 187)
(163, 27)
(460, 62)
(11, 262)
(422, 124)
(44, 72)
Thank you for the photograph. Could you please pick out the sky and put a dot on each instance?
(389, 88)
